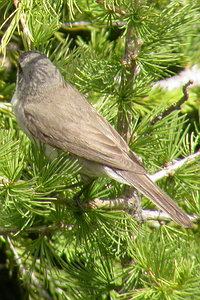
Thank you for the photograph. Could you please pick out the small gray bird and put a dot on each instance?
(49, 109)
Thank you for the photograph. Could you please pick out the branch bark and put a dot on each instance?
(169, 170)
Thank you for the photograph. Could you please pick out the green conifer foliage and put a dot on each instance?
(58, 246)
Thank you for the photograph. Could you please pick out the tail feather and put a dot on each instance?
(148, 188)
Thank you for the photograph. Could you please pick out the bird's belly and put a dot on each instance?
(94, 169)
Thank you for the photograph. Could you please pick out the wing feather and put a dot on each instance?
(73, 125)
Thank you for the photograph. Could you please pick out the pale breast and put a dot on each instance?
(18, 108)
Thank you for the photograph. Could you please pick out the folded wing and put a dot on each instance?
(73, 125)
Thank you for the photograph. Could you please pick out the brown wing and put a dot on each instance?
(65, 120)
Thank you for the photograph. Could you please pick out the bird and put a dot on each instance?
(50, 110)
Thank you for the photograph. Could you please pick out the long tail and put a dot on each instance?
(148, 188)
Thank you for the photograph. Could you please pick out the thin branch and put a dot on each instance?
(174, 106)
(117, 204)
(155, 215)
(171, 168)
(131, 51)
(34, 281)
(167, 171)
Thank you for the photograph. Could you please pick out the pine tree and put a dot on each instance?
(95, 246)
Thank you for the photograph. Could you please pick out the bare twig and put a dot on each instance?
(174, 106)
(155, 215)
(117, 204)
(171, 168)
(146, 215)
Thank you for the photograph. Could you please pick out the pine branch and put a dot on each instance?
(121, 203)
(115, 204)
(147, 215)
(131, 51)
(171, 167)
(167, 171)
(115, 71)
(160, 217)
